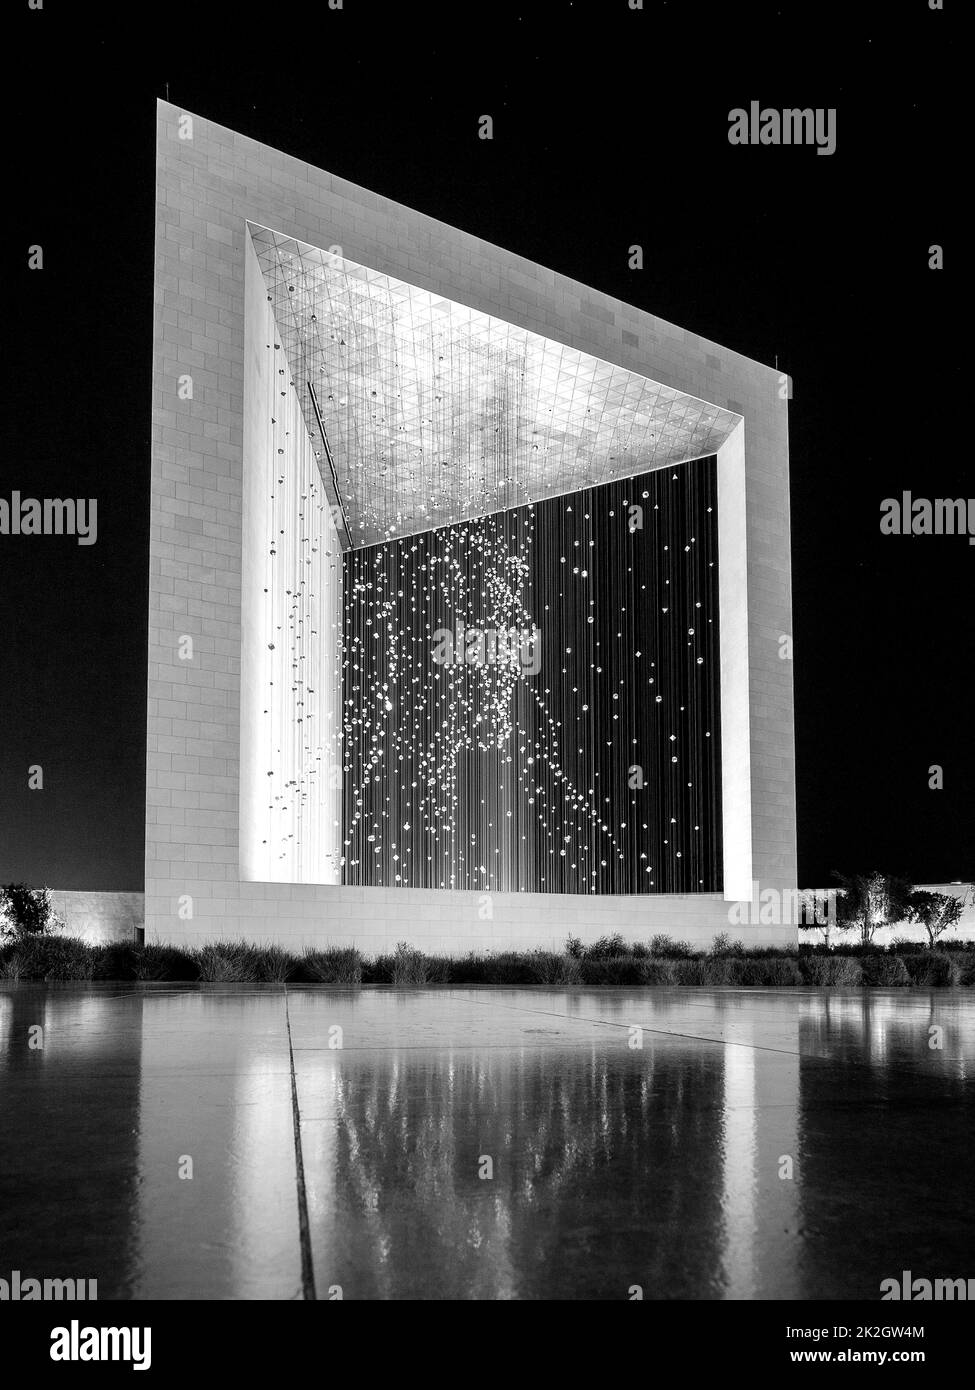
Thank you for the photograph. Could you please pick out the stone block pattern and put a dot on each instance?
(99, 917)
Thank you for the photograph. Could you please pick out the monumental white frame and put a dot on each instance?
(212, 182)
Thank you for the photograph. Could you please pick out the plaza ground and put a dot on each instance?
(484, 1143)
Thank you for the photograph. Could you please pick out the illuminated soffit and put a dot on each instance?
(435, 413)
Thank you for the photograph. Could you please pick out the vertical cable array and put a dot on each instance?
(300, 732)
(531, 698)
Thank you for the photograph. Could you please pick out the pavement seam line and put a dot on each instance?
(304, 1232)
(660, 1032)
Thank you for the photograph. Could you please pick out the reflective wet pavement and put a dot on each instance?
(485, 1143)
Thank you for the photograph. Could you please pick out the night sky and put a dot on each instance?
(610, 129)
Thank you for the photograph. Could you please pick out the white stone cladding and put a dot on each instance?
(208, 187)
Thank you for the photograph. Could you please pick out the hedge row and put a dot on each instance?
(66, 958)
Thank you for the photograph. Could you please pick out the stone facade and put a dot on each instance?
(210, 182)
(100, 917)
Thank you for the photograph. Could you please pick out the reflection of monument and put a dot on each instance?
(129, 1086)
(69, 1141)
(761, 1158)
(339, 374)
(210, 1094)
(415, 1220)
(758, 1145)
(881, 1126)
(611, 1166)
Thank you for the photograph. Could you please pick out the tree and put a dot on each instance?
(871, 901)
(25, 911)
(936, 912)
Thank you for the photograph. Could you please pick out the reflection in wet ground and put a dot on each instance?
(485, 1143)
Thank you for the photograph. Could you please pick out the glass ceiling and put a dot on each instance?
(435, 412)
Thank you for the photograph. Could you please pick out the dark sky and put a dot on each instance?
(610, 129)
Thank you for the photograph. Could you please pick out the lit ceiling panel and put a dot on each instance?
(434, 412)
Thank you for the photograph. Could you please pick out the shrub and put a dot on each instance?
(784, 970)
(570, 973)
(438, 969)
(767, 970)
(410, 966)
(510, 968)
(720, 970)
(658, 972)
(574, 947)
(336, 965)
(44, 957)
(612, 970)
(717, 971)
(228, 962)
(678, 950)
(722, 945)
(50, 958)
(673, 950)
(116, 960)
(884, 971)
(66, 958)
(9, 965)
(471, 969)
(830, 970)
(550, 968)
(690, 971)
(155, 962)
(378, 971)
(861, 951)
(711, 970)
(605, 946)
(274, 965)
(932, 968)
(965, 961)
